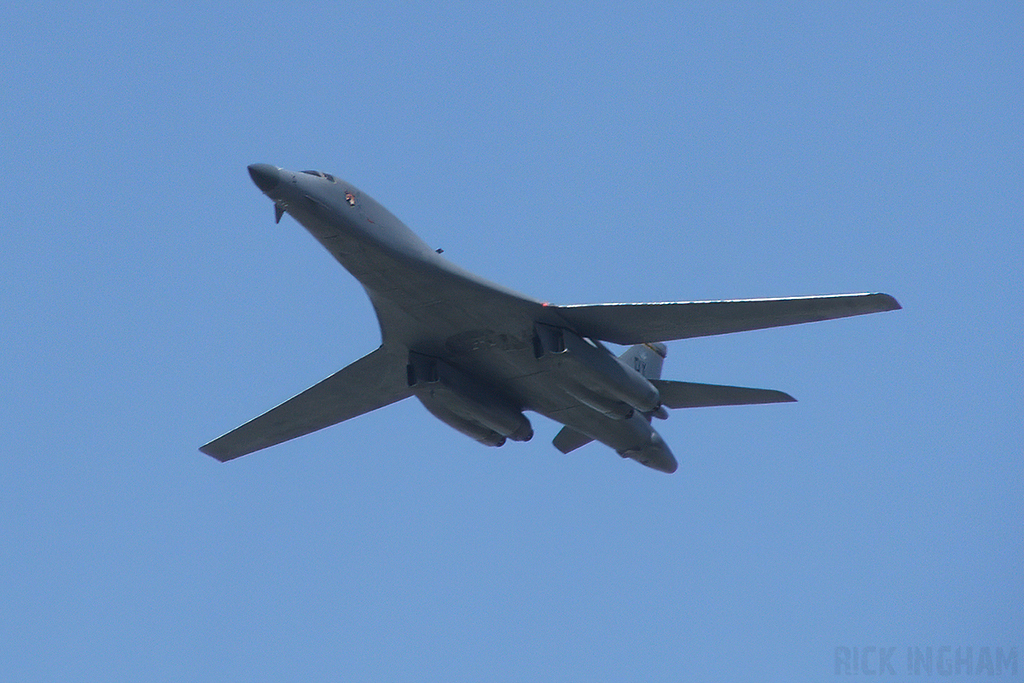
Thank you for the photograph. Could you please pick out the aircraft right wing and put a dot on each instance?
(629, 324)
(372, 382)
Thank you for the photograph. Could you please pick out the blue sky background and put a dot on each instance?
(586, 153)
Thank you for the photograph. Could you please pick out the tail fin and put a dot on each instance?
(568, 439)
(646, 359)
(692, 395)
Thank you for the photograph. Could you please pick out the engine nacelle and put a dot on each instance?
(606, 380)
(617, 410)
(465, 403)
(654, 454)
(473, 430)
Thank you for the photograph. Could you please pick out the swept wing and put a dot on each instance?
(638, 323)
(372, 382)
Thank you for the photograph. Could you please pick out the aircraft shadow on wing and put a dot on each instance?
(478, 355)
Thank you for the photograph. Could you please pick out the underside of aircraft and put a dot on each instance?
(479, 356)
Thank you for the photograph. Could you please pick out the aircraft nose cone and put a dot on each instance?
(265, 176)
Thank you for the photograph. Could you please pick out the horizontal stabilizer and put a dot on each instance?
(372, 382)
(568, 440)
(692, 395)
(628, 324)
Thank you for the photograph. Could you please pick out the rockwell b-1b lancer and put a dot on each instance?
(479, 355)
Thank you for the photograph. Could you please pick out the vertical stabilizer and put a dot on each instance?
(646, 359)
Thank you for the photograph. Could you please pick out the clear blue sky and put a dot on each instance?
(593, 152)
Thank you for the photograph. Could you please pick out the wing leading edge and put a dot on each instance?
(374, 381)
(639, 323)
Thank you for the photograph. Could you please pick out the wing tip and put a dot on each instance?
(210, 450)
(888, 303)
(770, 396)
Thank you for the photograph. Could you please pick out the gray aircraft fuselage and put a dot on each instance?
(478, 354)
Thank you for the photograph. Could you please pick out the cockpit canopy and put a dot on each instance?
(318, 174)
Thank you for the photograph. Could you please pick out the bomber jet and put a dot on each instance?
(478, 355)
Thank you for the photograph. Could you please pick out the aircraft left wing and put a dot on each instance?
(639, 323)
(372, 382)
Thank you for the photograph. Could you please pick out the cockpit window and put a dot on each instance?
(318, 174)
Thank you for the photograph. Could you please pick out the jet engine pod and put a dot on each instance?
(473, 430)
(590, 365)
(617, 410)
(654, 454)
(465, 403)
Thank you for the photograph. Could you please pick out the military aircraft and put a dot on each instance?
(478, 355)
